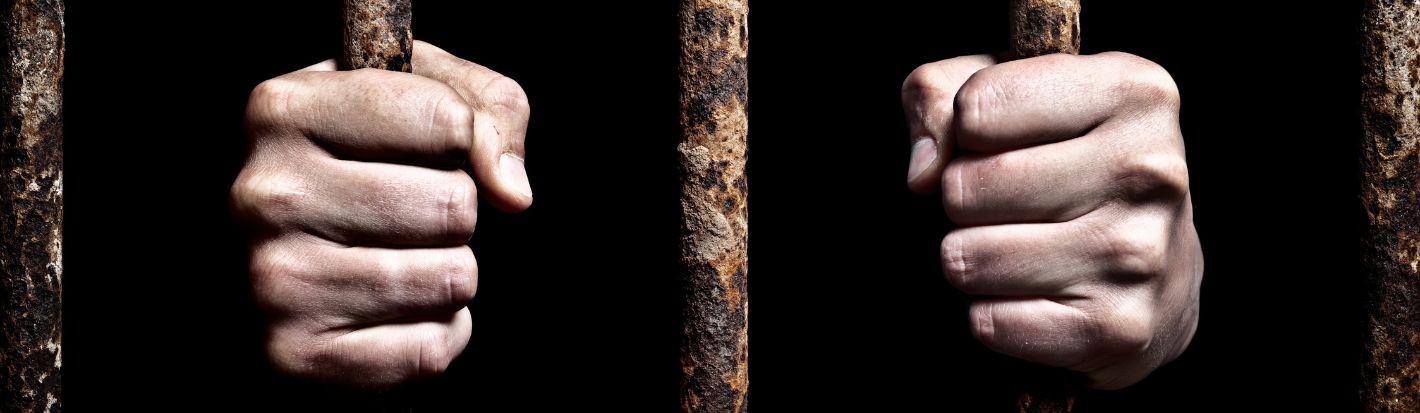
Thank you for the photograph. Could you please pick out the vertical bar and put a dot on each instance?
(714, 87)
(1041, 27)
(31, 206)
(377, 35)
(1390, 193)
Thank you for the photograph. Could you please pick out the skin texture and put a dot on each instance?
(361, 189)
(1066, 178)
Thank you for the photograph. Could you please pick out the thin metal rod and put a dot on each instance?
(1390, 193)
(714, 87)
(32, 206)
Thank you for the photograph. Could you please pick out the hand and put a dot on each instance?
(361, 208)
(1066, 177)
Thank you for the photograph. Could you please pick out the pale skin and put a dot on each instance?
(1066, 178)
(1065, 174)
(362, 188)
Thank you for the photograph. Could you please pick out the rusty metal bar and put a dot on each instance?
(1041, 27)
(714, 232)
(1390, 192)
(377, 35)
(32, 206)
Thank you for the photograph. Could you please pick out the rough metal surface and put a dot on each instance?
(377, 35)
(1047, 390)
(31, 206)
(1390, 192)
(1041, 27)
(714, 353)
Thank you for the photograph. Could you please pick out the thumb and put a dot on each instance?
(928, 96)
(500, 124)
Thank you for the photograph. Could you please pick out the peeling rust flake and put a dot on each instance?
(1390, 193)
(377, 35)
(31, 206)
(713, 81)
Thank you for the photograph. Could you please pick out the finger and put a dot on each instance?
(358, 285)
(1098, 336)
(379, 356)
(927, 97)
(1055, 97)
(500, 123)
(1040, 260)
(361, 203)
(372, 115)
(1051, 183)
(1033, 329)
(1061, 181)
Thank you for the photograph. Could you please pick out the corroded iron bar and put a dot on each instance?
(1390, 192)
(1041, 27)
(713, 82)
(32, 206)
(377, 35)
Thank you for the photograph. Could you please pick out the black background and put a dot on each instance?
(578, 298)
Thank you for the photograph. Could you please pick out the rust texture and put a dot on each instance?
(1041, 27)
(1046, 389)
(1390, 193)
(31, 206)
(713, 82)
(377, 35)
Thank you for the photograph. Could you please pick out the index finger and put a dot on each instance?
(927, 97)
(367, 114)
(1056, 97)
(500, 123)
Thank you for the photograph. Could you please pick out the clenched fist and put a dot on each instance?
(359, 192)
(1066, 178)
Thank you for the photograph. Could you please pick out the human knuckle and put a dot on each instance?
(506, 94)
(270, 101)
(461, 272)
(459, 207)
(978, 100)
(1121, 332)
(434, 353)
(983, 324)
(269, 262)
(1150, 177)
(454, 119)
(290, 352)
(1137, 251)
(954, 262)
(265, 196)
(272, 269)
(1148, 82)
(921, 79)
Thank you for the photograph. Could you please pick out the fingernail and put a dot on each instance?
(511, 168)
(924, 151)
